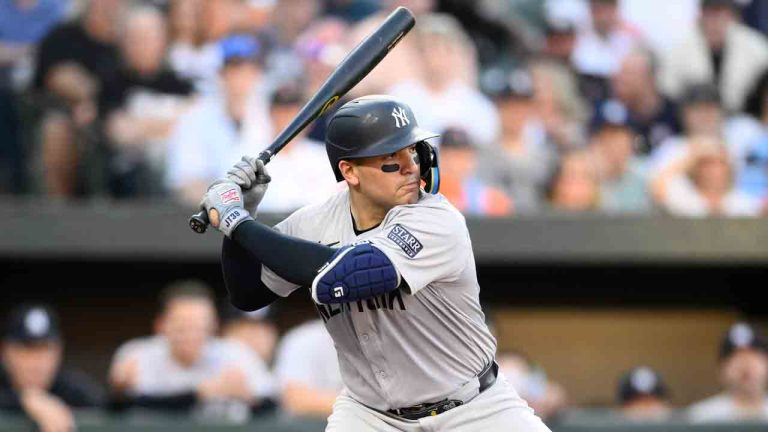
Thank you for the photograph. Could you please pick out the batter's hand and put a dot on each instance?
(252, 177)
(224, 204)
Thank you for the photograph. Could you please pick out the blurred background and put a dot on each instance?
(611, 158)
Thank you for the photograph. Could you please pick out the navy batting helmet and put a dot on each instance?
(376, 126)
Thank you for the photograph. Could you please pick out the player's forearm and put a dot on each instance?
(242, 277)
(291, 258)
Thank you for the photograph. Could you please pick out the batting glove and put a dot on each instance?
(224, 204)
(252, 177)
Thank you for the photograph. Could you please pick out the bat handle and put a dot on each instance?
(199, 221)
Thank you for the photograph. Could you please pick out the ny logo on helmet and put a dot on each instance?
(401, 118)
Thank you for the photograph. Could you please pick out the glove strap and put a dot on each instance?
(231, 219)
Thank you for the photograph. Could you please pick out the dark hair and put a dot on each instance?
(184, 289)
(755, 103)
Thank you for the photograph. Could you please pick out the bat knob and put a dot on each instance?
(199, 222)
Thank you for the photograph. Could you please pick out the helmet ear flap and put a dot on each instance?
(428, 166)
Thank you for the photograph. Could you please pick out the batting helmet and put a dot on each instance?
(376, 126)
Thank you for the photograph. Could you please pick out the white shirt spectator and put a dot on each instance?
(306, 355)
(684, 200)
(739, 133)
(200, 65)
(745, 57)
(301, 175)
(601, 56)
(459, 106)
(206, 142)
(721, 408)
(661, 30)
(160, 375)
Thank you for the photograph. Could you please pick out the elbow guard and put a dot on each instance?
(355, 272)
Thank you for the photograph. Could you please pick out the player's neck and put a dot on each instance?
(365, 214)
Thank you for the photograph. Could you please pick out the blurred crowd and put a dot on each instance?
(223, 365)
(617, 106)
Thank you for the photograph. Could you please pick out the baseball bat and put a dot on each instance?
(355, 66)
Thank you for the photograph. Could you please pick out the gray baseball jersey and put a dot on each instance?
(403, 349)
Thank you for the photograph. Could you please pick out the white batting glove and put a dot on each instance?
(252, 177)
(224, 205)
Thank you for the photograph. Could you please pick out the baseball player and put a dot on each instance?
(391, 270)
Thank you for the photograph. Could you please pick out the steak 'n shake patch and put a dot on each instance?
(405, 240)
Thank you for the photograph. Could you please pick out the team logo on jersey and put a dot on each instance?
(230, 195)
(405, 240)
(401, 117)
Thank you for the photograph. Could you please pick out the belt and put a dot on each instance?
(486, 378)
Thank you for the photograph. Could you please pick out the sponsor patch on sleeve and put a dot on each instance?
(405, 240)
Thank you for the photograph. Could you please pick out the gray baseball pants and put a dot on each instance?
(499, 408)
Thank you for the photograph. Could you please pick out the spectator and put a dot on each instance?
(574, 187)
(622, 176)
(560, 39)
(67, 159)
(702, 115)
(252, 329)
(351, 10)
(185, 367)
(308, 370)
(643, 396)
(524, 158)
(753, 176)
(559, 91)
(89, 42)
(446, 95)
(291, 18)
(197, 26)
(744, 376)
(547, 398)
(193, 53)
(23, 23)
(599, 50)
(722, 52)
(140, 105)
(701, 183)
(223, 126)
(403, 63)
(320, 48)
(652, 116)
(72, 64)
(460, 181)
(301, 163)
(32, 380)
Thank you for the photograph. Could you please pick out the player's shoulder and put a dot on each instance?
(317, 214)
(432, 209)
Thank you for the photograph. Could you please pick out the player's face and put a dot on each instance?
(187, 324)
(390, 180)
(33, 365)
(745, 373)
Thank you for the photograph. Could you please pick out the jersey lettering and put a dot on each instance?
(384, 301)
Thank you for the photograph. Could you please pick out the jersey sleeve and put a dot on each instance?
(274, 282)
(425, 244)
